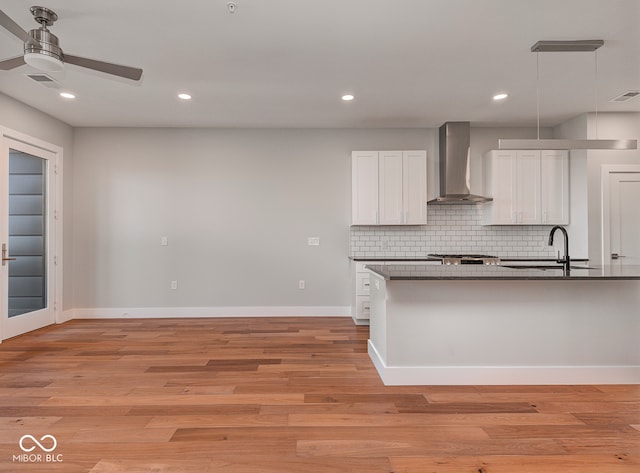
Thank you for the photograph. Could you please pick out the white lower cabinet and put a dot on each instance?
(361, 283)
(360, 306)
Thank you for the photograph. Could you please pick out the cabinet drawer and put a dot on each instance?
(363, 307)
(362, 284)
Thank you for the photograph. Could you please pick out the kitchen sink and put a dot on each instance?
(542, 266)
(533, 266)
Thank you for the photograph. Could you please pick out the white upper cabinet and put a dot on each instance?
(389, 188)
(555, 187)
(364, 188)
(500, 178)
(414, 185)
(528, 187)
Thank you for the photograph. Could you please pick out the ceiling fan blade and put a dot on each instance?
(16, 29)
(127, 72)
(12, 63)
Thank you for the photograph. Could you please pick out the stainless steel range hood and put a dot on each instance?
(454, 166)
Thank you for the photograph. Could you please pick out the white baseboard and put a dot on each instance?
(204, 312)
(501, 375)
(64, 316)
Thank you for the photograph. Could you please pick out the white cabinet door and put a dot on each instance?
(500, 184)
(364, 188)
(389, 188)
(554, 187)
(415, 187)
(391, 192)
(528, 187)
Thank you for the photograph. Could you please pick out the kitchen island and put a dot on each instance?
(475, 324)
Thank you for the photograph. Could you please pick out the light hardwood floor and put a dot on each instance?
(267, 395)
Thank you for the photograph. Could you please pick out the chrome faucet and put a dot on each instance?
(566, 261)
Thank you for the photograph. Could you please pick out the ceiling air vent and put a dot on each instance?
(45, 80)
(629, 95)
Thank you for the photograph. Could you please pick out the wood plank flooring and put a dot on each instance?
(285, 395)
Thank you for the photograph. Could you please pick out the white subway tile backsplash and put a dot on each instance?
(451, 229)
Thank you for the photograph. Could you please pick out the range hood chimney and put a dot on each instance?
(454, 166)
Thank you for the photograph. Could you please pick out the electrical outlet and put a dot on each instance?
(174, 285)
(301, 284)
(313, 241)
(164, 241)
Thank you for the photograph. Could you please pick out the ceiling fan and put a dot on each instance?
(42, 50)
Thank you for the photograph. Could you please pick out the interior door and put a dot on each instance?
(625, 218)
(27, 236)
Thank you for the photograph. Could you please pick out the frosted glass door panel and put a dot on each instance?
(27, 233)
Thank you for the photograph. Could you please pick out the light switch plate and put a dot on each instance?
(313, 241)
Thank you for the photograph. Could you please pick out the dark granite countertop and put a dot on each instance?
(478, 272)
(391, 260)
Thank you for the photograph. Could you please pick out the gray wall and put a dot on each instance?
(608, 126)
(29, 121)
(237, 207)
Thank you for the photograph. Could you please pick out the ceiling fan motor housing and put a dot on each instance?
(49, 44)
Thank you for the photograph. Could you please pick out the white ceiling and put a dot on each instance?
(285, 63)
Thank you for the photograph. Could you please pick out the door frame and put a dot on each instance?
(55, 234)
(606, 171)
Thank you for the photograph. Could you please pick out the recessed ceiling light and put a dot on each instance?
(500, 96)
(347, 97)
(67, 95)
(184, 96)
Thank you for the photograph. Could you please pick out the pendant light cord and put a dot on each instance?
(596, 90)
(538, 91)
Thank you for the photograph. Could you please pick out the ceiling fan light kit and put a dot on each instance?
(590, 45)
(42, 49)
(43, 62)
